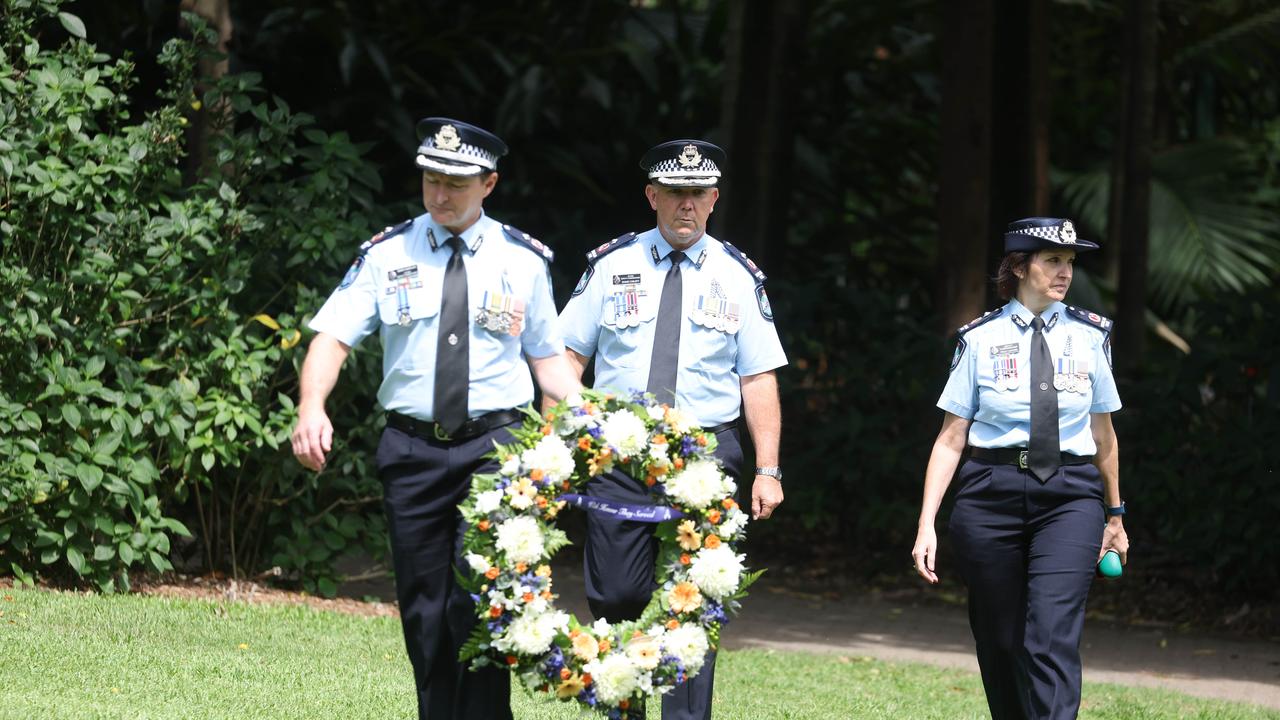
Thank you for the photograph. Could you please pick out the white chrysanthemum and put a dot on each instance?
(625, 432)
(479, 563)
(511, 466)
(716, 571)
(520, 539)
(700, 484)
(532, 633)
(656, 413)
(615, 677)
(735, 520)
(551, 456)
(488, 501)
(601, 628)
(688, 643)
(678, 421)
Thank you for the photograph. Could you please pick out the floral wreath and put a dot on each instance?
(511, 535)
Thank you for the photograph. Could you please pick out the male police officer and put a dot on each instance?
(461, 300)
(682, 315)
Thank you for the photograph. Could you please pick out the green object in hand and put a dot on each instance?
(1109, 566)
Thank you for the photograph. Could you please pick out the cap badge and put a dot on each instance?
(1067, 233)
(690, 157)
(447, 138)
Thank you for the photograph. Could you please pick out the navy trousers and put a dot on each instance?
(619, 562)
(1027, 551)
(423, 481)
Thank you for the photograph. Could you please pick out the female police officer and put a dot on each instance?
(1031, 391)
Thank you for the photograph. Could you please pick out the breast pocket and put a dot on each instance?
(398, 306)
(628, 317)
(713, 350)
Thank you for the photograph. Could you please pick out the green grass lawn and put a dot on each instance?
(64, 655)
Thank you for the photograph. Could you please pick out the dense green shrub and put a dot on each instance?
(151, 328)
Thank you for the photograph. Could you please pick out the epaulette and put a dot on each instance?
(981, 319)
(614, 244)
(1092, 318)
(387, 233)
(747, 263)
(529, 241)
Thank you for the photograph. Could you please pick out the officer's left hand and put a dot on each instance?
(1115, 538)
(766, 494)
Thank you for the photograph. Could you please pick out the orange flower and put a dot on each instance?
(672, 624)
(495, 611)
(713, 517)
(604, 645)
(565, 673)
(684, 597)
(546, 595)
(584, 443)
(541, 502)
(684, 559)
(574, 633)
(521, 567)
(586, 678)
(660, 440)
(546, 429)
(605, 452)
(483, 526)
(491, 573)
(678, 463)
(527, 597)
(729, 503)
(512, 660)
(702, 440)
(623, 704)
(712, 542)
(535, 474)
(687, 536)
(651, 481)
(636, 633)
(659, 470)
(564, 484)
(585, 647)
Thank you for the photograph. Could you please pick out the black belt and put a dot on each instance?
(722, 426)
(475, 427)
(1018, 456)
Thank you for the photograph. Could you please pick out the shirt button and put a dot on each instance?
(1043, 386)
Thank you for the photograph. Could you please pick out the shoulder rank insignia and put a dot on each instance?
(1096, 320)
(614, 244)
(747, 263)
(961, 343)
(387, 233)
(523, 238)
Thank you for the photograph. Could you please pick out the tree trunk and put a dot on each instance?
(1019, 115)
(757, 106)
(1134, 211)
(218, 14)
(964, 186)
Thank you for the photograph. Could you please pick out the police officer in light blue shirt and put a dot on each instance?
(678, 313)
(1031, 393)
(464, 309)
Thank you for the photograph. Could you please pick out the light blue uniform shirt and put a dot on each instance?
(990, 377)
(408, 268)
(725, 334)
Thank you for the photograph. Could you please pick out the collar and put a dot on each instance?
(472, 237)
(1022, 317)
(659, 249)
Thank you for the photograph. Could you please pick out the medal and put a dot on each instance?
(1059, 382)
(500, 313)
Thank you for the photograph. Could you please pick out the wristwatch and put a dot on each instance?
(1117, 510)
(772, 471)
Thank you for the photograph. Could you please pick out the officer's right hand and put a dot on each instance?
(312, 437)
(925, 553)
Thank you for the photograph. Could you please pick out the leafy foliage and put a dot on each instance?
(152, 334)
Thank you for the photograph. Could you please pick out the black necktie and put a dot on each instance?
(453, 366)
(666, 335)
(1044, 449)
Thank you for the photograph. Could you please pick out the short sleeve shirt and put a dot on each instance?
(396, 289)
(990, 378)
(725, 334)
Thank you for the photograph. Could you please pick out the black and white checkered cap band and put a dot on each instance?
(671, 172)
(466, 160)
(1052, 233)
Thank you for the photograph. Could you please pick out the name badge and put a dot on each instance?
(627, 279)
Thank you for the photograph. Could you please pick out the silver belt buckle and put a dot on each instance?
(1022, 459)
(443, 436)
